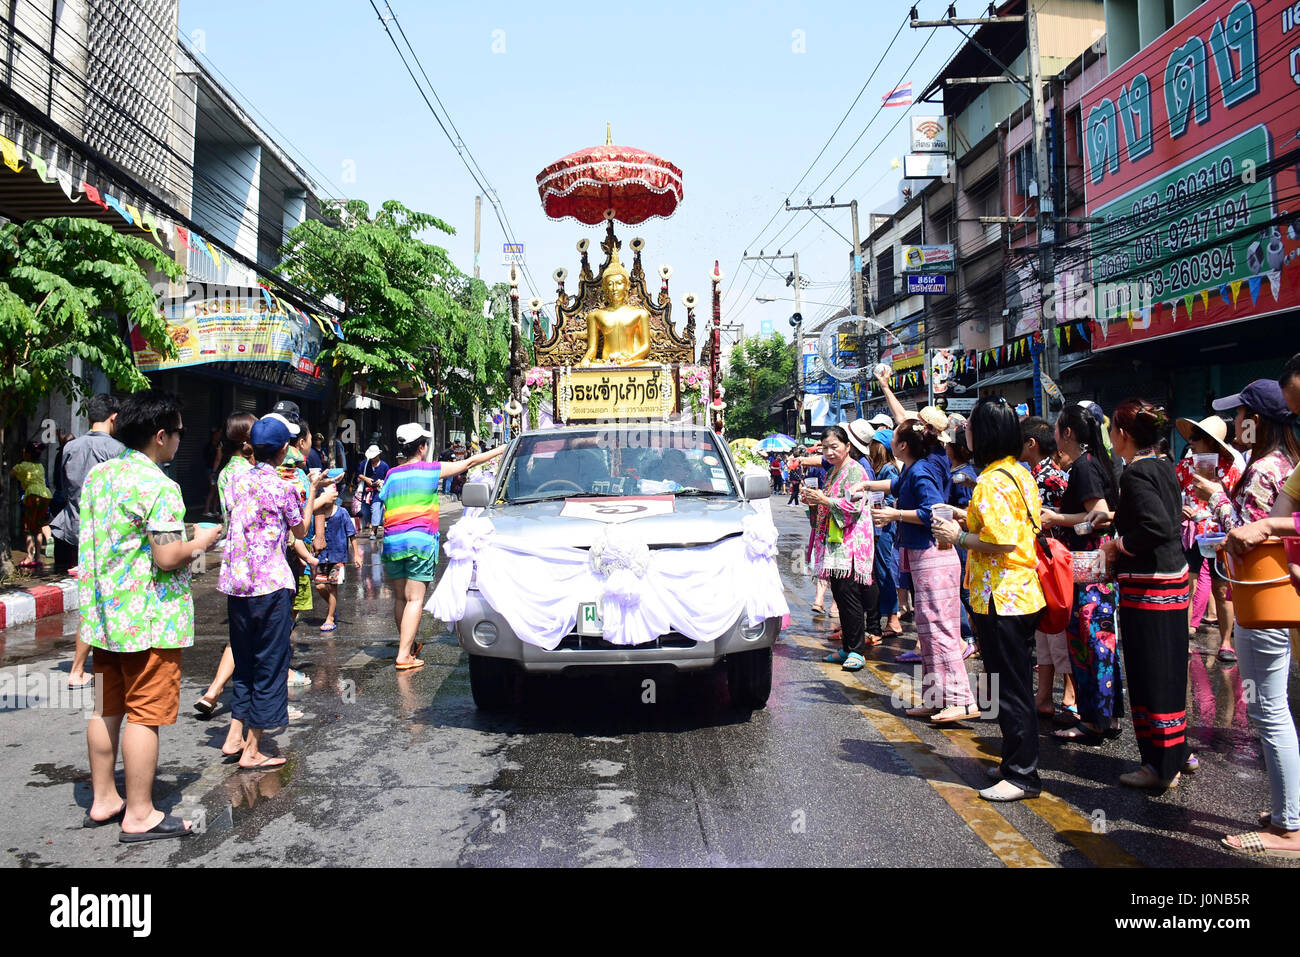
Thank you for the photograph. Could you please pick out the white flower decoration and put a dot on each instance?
(637, 244)
(665, 272)
(512, 408)
(583, 244)
(689, 300)
(535, 304)
(610, 214)
(560, 275)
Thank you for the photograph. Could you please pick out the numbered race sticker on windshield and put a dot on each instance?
(719, 479)
(615, 510)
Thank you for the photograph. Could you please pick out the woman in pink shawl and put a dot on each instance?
(842, 546)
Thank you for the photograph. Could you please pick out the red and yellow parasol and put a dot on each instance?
(610, 182)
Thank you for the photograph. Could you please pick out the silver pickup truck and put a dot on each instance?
(673, 490)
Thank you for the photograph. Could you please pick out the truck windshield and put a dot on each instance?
(617, 462)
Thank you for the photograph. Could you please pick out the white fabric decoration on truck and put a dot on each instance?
(643, 593)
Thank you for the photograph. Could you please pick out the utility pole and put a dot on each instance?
(798, 334)
(860, 300)
(1046, 212)
(478, 230)
(1046, 218)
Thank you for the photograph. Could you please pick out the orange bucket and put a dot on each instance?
(1262, 594)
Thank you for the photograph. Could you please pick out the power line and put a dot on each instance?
(462, 151)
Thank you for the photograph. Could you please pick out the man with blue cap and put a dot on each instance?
(259, 585)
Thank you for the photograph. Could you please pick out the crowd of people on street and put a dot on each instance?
(978, 519)
(284, 538)
(961, 526)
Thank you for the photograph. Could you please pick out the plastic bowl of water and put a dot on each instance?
(1209, 544)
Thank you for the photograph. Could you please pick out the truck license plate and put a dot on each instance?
(589, 622)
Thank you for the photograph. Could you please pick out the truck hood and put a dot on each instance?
(694, 521)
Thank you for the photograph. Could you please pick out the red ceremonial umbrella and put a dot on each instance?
(635, 184)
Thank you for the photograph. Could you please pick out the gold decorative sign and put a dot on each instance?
(649, 392)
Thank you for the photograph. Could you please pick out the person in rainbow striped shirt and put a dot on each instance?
(410, 552)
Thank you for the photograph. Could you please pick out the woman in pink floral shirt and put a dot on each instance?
(1265, 653)
(842, 545)
(1205, 438)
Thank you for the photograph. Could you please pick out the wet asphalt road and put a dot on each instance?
(401, 769)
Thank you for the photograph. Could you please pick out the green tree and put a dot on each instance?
(407, 310)
(757, 370)
(70, 288)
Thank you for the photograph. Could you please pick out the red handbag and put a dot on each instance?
(1055, 573)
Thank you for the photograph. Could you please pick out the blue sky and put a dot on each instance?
(718, 89)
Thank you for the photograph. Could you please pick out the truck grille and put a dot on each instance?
(576, 642)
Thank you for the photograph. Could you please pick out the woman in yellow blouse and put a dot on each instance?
(1005, 595)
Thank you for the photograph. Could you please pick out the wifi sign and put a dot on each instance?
(929, 134)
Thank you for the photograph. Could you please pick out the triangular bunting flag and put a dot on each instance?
(1173, 310)
(268, 298)
(1275, 284)
(1225, 294)
(92, 194)
(183, 235)
(9, 153)
(1188, 299)
(135, 216)
(1083, 330)
(1253, 283)
(65, 184)
(1067, 335)
(1205, 300)
(216, 256)
(117, 204)
(38, 164)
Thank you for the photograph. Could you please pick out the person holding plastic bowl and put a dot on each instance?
(1264, 653)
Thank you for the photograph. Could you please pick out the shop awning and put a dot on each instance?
(1026, 371)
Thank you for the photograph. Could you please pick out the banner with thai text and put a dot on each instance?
(1191, 163)
(233, 329)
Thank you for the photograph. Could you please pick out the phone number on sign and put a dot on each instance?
(1189, 273)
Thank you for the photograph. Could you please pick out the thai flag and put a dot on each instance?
(901, 96)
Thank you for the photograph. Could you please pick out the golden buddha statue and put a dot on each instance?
(625, 327)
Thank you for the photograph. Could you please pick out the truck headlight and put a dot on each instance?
(485, 633)
(752, 632)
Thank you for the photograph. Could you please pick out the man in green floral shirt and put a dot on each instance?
(137, 612)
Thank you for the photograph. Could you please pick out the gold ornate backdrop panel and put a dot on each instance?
(567, 343)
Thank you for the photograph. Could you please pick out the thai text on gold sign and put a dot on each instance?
(605, 393)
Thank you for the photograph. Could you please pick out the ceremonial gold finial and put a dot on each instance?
(615, 268)
(609, 137)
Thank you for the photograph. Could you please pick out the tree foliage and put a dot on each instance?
(407, 309)
(71, 288)
(758, 369)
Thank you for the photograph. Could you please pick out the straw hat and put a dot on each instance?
(934, 417)
(1212, 425)
(860, 434)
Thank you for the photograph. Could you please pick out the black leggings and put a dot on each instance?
(852, 597)
(1006, 644)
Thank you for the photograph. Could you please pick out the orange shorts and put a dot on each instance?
(143, 685)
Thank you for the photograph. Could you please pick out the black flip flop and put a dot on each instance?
(91, 822)
(168, 827)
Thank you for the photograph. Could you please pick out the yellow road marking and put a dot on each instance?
(1001, 837)
(1068, 823)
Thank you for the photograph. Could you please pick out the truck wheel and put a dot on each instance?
(749, 678)
(494, 683)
